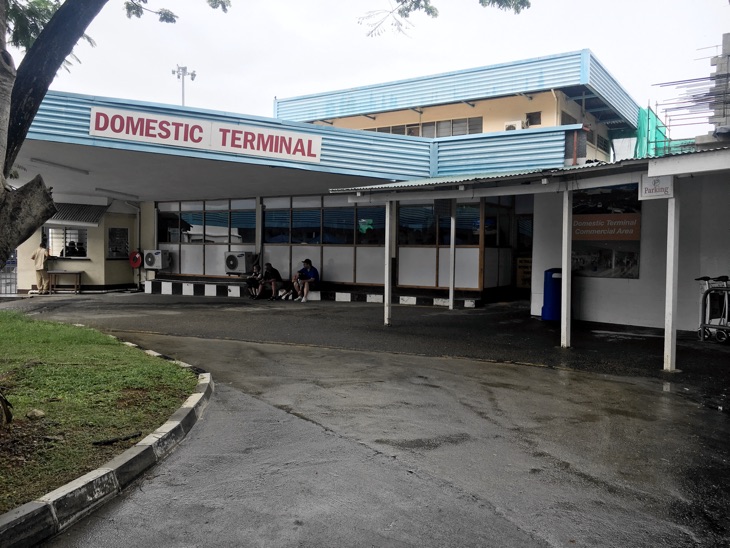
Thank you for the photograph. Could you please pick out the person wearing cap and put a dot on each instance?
(307, 278)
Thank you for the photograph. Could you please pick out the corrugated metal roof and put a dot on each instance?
(78, 214)
(576, 72)
(501, 151)
(66, 118)
(450, 180)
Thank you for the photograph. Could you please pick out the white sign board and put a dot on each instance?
(656, 188)
(160, 129)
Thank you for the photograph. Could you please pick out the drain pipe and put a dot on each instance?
(139, 240)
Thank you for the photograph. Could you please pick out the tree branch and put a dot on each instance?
(40, 65)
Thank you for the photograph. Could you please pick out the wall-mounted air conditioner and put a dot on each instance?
(157, 259)
(238, 262)
(511, 126)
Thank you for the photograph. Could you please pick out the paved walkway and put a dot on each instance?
(328, 429)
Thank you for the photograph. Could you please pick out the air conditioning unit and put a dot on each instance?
(511, 126)
(238, 262)
(157, 259)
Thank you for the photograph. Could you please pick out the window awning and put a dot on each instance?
(83, 215)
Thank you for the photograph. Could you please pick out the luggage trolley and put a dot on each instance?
(714, 313)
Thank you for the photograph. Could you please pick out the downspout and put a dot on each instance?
(575, 147)
(139, 240)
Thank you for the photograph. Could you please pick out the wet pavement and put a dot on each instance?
(449, 428)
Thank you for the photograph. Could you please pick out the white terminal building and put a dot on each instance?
(455, 188)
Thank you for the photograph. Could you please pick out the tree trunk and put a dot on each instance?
(40, 65)
(20, 212)
(24, 210)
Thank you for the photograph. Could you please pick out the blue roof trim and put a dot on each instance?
(530, 75)
(604, 85)
(585, 67)
(65, 118)
(562, 71)
(503, 151)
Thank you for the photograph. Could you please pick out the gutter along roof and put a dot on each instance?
(492, 179)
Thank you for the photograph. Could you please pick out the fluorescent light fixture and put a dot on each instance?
(116, 193)
(61, 166)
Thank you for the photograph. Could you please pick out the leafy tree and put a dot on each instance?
(377, 20)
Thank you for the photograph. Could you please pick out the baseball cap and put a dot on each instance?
(307, 261)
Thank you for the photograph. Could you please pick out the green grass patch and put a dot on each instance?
(91, 388)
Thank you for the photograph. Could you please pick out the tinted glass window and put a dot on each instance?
(339, 225)
(306, 226)
(276, 227)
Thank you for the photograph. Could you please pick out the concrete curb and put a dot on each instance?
(54, 512)
(202, 289)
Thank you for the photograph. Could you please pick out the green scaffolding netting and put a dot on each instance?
(652, 137)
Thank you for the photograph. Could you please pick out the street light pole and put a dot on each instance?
(181, 73)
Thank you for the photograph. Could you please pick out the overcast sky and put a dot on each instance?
(266, 48)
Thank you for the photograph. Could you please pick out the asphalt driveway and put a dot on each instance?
(450, 428)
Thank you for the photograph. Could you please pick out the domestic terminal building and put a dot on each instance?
(477, 184)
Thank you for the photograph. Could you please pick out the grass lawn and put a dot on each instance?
(91, 388)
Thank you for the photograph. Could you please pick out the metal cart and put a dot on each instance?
(714, 313)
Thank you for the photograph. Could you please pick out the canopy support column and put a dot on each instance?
(389, 244)
(670, 299)
(566, 260)
(452, 256)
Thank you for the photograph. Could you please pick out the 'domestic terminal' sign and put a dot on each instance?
(174, 131)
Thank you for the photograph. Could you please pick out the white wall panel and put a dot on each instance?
(278, 256)
(546, 244)
(339, 264)
(191, 259)
(370, 267)
(467, 267)
(215, 260)
(417, 266)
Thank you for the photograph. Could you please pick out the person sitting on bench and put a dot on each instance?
(253, 282)
(307, 278)
(271, 277)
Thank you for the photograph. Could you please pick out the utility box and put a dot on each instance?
(552, 294)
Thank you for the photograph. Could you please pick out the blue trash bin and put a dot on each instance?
(551, 295)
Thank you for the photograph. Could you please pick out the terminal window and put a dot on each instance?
(67, 242)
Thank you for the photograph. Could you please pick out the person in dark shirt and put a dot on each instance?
(70, 250)
(271, 277)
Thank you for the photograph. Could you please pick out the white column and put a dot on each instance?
(452, 256)
(670, 299)
(388, 290)
(565, 264)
